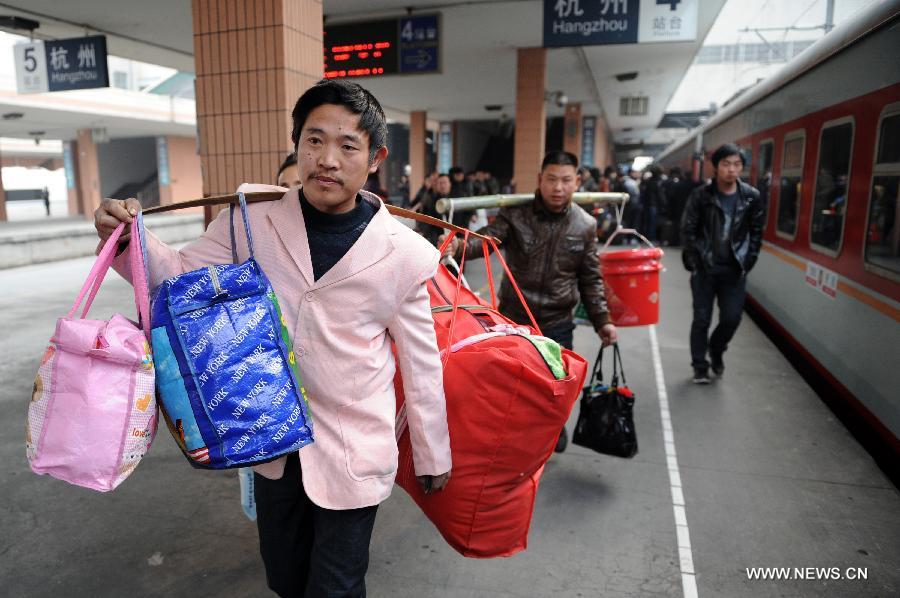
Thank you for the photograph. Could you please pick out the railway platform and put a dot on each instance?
(750, 477)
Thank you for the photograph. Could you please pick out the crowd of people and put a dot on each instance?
(654, 209)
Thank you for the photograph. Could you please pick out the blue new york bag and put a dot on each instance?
(227, 377)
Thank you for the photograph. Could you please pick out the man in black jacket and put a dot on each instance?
(721, 229)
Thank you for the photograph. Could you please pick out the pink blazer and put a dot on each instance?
(342, 326)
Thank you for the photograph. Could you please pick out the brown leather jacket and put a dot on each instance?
(553, 258)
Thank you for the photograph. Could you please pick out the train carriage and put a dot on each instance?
(823, 138)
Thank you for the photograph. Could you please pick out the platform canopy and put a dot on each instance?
(479, 39)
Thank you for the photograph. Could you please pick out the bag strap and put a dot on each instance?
(139, 274)
(618, 369)
(597, 372)
(97, 273)
(242, 199)
(515, 286)
(462, 264)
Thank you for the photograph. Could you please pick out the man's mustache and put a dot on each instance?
(325, 176)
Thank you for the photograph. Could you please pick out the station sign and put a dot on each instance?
(601, 22)
(399, 46)
(61, 64)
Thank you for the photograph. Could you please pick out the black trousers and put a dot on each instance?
(309, 551)
(729, 287)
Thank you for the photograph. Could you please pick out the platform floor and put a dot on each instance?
(750, 471)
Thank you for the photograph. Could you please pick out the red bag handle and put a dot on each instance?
(514, 285)
(490, 277)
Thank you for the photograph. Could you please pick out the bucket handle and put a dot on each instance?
(624, 231)
(627, 231)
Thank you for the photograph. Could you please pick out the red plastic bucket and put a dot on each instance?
(631, 280)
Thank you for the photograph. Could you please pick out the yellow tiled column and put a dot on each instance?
(603, 150)
(253, 59)
(531, 73)
(87, 173)
(572, 130)
(417, 133)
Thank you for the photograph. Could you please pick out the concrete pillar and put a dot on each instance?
(572, 130)
(87, 174)
(253, 60)
(180, 173)
(417, 148)
(531, 73)
(3, 216)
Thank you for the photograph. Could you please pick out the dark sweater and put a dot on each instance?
(332, 235)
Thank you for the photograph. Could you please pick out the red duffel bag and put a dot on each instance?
(509, 393)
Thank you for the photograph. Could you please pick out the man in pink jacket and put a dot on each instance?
(349, 279)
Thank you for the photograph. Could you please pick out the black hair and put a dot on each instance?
(725, 150)
(559, 158)
(289, 160)
(609, 170)
(456, 170)
(350, 95)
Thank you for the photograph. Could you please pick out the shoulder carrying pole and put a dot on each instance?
(276, 195)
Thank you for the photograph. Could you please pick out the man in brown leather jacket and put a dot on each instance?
(551, 249)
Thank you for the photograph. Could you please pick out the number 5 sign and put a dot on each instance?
(31, 67)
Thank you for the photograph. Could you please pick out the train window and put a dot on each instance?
(832, 179)
(747, 160)
(889, 141)
(883, 232)
(764, 171)
(789, 184)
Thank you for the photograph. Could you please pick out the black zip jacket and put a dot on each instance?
(702, 221)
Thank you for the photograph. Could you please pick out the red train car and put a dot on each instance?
(823, 138)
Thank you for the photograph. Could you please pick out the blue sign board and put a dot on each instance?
(598, 22)
(69, 165)
(162, 161)
(587, 22)
(78, 63)
(588, 131)
(445, 148)
(419, 44)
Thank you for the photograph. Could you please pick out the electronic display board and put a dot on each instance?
(385, 47)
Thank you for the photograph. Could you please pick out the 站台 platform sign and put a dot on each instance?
(599, 22)
(61, 64)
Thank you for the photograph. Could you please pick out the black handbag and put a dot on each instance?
(606, 418)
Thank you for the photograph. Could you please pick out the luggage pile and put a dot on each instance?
(209, 328)
(509, 392)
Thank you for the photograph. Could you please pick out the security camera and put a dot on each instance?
(557, 97)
